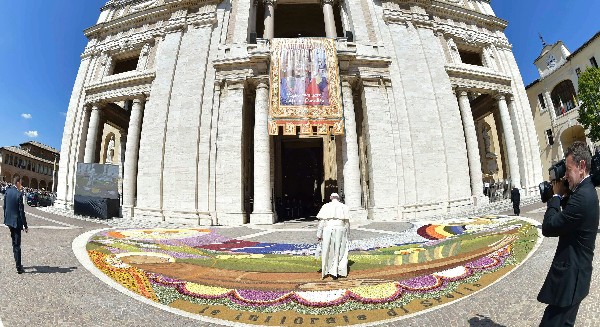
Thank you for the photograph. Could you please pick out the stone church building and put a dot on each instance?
(240, 111)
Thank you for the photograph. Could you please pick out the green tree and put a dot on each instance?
(589, 95)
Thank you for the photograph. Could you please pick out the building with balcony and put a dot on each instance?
(238, 111)
(34, 162)
(553, 98)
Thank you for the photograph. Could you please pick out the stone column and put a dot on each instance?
(511, 148)
(330, 30)
(262, 213)
(550, 107)
(472, 147)
(269, 19)
(131, 157)
(351, 167)
(253, 12)
(522, 150)
(92, 135)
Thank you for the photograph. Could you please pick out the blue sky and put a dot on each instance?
(41, 40)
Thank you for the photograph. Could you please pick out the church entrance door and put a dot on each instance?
(299, 177)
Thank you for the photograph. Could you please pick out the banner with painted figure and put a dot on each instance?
(305, 87)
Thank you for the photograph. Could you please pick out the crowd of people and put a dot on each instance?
(32, 195)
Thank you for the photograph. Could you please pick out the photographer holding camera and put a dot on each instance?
(576, 226)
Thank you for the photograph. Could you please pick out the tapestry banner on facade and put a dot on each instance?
(305, 87)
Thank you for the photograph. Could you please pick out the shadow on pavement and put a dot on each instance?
(48, 270)
(481, 321)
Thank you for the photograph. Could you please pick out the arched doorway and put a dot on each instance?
(564, 97)
(570, 135)
(34, 183)
(43, 185)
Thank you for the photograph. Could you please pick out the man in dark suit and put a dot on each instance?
(576, 226)
(515, 197)
(14, 218)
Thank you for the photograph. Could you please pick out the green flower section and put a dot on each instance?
(267, 263)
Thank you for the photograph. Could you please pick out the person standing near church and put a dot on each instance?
(333, 233)
(14, 218)
(576, 226)
(515, 198)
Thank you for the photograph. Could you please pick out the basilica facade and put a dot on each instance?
(238, 111)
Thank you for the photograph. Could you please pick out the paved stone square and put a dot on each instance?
(57, 290)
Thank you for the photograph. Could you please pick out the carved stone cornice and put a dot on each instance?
(470, 36)
(419, 14)
(448, 10)
(120, 87)
(480, 79)
(169, 11)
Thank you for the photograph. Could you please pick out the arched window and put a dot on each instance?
(564, 97)
(294, 20)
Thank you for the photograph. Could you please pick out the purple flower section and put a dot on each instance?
(115, 250)
(199, 240)
(425, 282)
(178, 255)
(483, 262)
(252, 295)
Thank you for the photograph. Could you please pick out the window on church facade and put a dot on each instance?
(542, 102)
(470, 57)
(593, 62)
(125, 65)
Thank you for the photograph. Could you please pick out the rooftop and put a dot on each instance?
(43, 146)
(24, 153)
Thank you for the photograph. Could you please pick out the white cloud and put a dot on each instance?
(26, 116)
(63, 113)
(31, 134)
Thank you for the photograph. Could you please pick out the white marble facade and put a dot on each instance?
(407, 71)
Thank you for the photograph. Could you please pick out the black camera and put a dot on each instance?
(558, 171)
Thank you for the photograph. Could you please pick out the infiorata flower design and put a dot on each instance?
(201, 266)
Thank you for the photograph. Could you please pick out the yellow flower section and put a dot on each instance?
(206, 290)
(132, 278)
(376, 292)
(440, 230)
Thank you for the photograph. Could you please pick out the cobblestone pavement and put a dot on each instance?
(57, 290)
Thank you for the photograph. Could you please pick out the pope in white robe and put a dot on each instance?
(333, 233)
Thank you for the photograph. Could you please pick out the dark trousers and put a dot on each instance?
(15, 234)
(516, 208)
(559, 316)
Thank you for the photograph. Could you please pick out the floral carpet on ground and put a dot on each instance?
(238, 281)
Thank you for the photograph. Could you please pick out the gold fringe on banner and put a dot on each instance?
(305, 87)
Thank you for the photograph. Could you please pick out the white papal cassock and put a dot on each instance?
(334, 230)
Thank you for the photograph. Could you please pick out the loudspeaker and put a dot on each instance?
(349, 36)
(252, 38)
